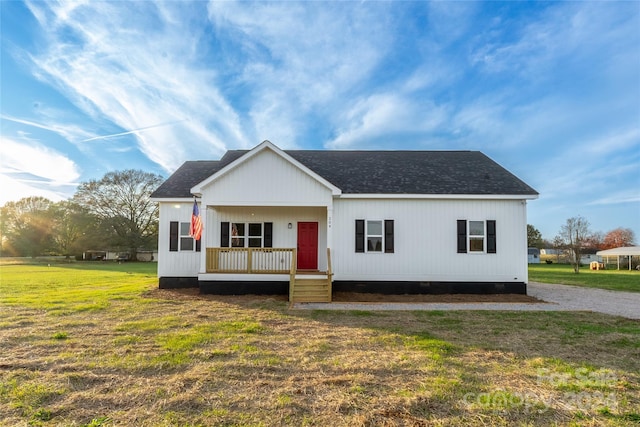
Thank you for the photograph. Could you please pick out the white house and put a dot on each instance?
(305, 222)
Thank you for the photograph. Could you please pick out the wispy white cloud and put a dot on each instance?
(68, 131)
(381, 116)
(32, 169)
(36, 160)
(614, 141)
(134, 131)
(15, 189)
(134, 65)
(625, 196)
(301, 59)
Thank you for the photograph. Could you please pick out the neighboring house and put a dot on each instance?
(147, 256)
(533, 256)
(306, 222)
(97, 255)
(549, 251)
(141, 255)
(588, 256)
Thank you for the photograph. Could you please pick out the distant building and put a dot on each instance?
(549, 251)
(533, 256)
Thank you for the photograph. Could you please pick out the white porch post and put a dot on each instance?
(330, 226)
(203, 237)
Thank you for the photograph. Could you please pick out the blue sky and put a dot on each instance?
(550, 90)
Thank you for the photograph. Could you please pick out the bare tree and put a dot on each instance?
(575, 233)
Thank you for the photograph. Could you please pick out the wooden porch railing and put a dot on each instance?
(251, 260)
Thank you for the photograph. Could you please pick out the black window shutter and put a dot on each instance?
(388, 236)
(173, 236)
(224, 234)
(359, 235)
(199, 245)
(462, 236)
(491, 236)
(268, 234)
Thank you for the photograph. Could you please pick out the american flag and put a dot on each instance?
(195, 229)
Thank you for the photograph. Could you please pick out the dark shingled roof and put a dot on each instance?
(179, 184)
(378, 172)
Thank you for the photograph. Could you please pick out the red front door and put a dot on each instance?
(307, 246)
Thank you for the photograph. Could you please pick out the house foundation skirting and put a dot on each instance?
(401, 288)
(177, 282)
(236, 287)
(280, 287)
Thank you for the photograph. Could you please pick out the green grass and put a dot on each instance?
(615, 280)
(175, 358)
(74, 287)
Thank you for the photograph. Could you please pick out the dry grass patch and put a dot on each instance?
(162, 358)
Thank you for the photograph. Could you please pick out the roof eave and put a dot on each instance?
(171, 199)
(439, 196)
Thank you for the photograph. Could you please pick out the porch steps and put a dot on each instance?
(311, 289)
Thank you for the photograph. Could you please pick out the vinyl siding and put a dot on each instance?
(180, 263)
(266, 179)
(425, 237)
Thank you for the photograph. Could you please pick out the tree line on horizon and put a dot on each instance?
(114, 212)
(575, 237)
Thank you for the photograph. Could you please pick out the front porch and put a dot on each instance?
(226, 264)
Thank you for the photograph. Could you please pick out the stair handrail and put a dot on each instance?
(329, 273)
(292, 273)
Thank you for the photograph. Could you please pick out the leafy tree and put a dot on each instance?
(618, 238)
(534, 238)
(74, 228)
(575, 234)
(120, 201)
(26, 227)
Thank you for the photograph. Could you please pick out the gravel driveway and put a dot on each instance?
(556, 297)
(575, 298)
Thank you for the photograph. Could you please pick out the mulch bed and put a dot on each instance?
(439, 298)
(194, 293)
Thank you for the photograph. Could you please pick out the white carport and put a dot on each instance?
(627, 251)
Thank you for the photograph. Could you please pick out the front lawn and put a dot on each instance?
(616, 280)
(98, 344)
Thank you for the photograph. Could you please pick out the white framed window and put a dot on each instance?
(476, 236)
(186, 241)
(238, 234)
(255, 235)
(375, 236)
(246, 234)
